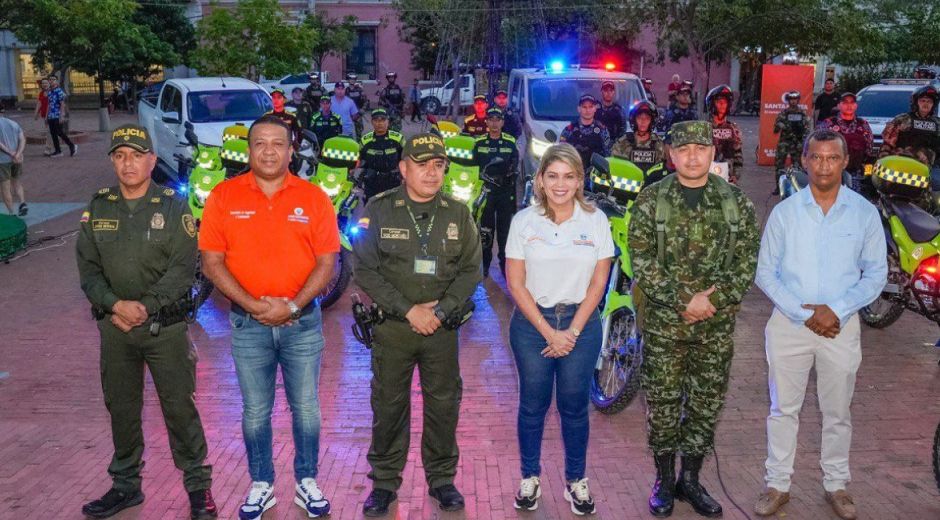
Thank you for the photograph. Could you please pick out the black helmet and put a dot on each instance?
(925, 91)
(352, 76)
(685, 86)
(640, 107)
(391, 74)
(718, 92)
(925, 72)
(793, 94)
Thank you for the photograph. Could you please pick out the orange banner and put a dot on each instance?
(776, 81)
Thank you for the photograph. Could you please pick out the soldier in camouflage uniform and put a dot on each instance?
(915, 133)
(725, 134)
(693, 241)
(793, 125)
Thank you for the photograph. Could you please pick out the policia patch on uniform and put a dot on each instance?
(189, 224)
(104, 225)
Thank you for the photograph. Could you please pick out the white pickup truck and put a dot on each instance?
(432, 99)
(210, 104)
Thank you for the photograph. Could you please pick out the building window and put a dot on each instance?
(361, 59)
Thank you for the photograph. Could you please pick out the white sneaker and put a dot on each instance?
(530, 490)
(309, 497)
(578, 494)
(260, 499)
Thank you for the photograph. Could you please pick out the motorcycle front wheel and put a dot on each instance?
(342, 273)
(617, 381)
(884, 311)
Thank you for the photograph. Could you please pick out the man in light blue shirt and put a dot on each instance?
(822, 258)
(345, 108)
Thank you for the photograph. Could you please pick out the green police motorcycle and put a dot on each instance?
(616, 378)
(332, 168)
(463, 180)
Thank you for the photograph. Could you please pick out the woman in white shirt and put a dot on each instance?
(557, 262)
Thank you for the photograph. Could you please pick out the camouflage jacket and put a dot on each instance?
(697, 241)
(728, 145)
(792, 125)
(912, 135)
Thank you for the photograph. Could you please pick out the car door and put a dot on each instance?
(466, 90)
(168, 134)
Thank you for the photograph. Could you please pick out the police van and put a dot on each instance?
(547, 99)
(878, 104)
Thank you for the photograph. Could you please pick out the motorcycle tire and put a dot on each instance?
(884, 319)
(611, 392)
(936, 456)
(342, 273)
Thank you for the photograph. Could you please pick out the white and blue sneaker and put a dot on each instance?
(311, 498)
(578, 494)
(260, 499)
(530, 491)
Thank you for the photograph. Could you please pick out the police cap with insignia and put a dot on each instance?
(424, 147)
(380, 113)
(691, 132)
(479, 97)
(495, 112)
(132, 136)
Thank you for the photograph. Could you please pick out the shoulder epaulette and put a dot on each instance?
(509, 137)
(469, 118)
(395, 136)
(483, 137)
(368, 138)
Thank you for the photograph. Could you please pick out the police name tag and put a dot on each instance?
(426, 265)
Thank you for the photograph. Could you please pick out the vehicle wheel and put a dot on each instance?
(342, 273)
(936, 456)
(883, 311)
(617, 381)
(201, 288)
(430, 105)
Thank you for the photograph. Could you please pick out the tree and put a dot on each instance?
(253, 39)
(97, 37)
(334, 37)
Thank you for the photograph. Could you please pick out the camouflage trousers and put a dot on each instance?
(685, 383)
(785, 148)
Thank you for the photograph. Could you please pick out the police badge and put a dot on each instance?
(157, 221)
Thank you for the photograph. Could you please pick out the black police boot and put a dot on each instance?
(663, 497)
(112, 502)
(378, 502)
(201, 505)
(688, 488)
(450, 499)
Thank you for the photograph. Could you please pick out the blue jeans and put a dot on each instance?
(257, 350)
(571, 378)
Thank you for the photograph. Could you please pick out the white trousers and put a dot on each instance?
(792, 350)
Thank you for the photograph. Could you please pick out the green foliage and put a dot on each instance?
(333, 37)
(857, 78)
(253, 39)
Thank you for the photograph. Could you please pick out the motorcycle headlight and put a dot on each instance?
(461, 193)
(538, 147)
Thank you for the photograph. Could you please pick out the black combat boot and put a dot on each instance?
(688, 488)
(664, 489)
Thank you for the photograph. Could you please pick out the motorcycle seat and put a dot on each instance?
(920, 225)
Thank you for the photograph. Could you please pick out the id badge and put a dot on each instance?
(426, 265)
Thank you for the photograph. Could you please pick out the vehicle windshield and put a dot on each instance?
(556, 99)
(883, 103)
(227, 105)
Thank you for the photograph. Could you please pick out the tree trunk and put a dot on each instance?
(493, 46)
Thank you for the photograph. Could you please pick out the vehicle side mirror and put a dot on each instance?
(599, 162)
(310, 136)
(172, 118)
(551, 136)
(189, 126)
(495, 162)
(191, 135)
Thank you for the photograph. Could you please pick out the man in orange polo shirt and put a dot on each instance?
(269, 242)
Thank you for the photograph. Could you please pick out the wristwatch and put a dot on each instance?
(576, 331)
(439, 313)
(294, 310)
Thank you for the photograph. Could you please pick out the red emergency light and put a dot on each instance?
(610, 66)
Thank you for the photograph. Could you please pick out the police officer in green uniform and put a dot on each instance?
(419, 260)
(325, 124)
(380, 154)
(136, 259)
(693, 242)
(501, 200)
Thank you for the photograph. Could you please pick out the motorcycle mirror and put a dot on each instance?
(309, 136)
(189, 125)
(432, 119)
(599, 162)
(551, 135)
(496, 161)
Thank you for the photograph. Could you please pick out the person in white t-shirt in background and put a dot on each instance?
(558, 258)
(345, 108)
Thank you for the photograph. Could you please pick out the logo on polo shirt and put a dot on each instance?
(298, 211)
(298, 216)
(584, 240)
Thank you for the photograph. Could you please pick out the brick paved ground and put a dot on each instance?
(55, 445)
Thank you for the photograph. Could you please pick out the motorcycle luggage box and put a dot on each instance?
(899, 176)
(624, 181)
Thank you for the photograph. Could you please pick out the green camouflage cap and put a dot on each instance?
(133, 136)
(689, 132)
(424, 147)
